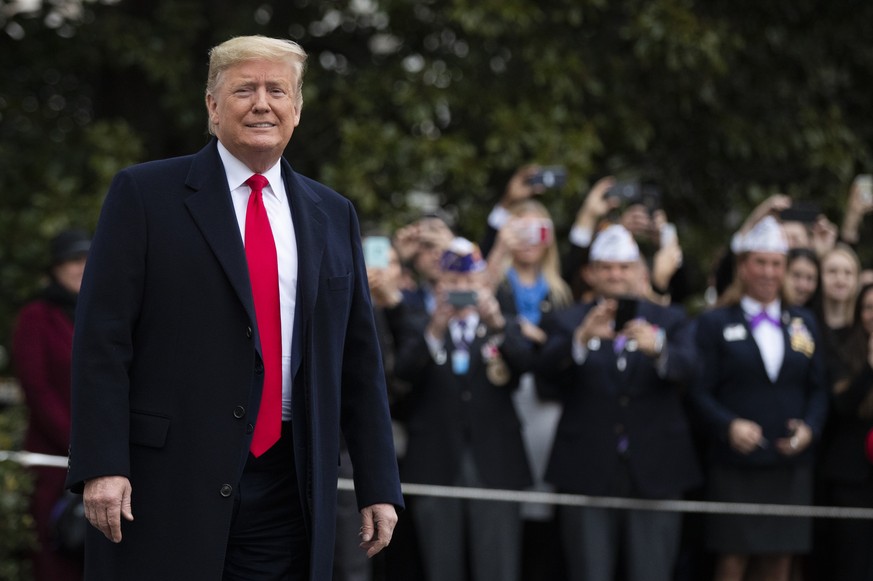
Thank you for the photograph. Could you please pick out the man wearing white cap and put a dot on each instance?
(623, 431)
(762, 393)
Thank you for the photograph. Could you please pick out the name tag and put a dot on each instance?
(735, 333)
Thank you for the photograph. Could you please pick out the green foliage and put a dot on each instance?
(721, 103)
(17, 534)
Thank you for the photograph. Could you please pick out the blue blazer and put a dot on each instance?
(167, 372)
(603, 404)
(733, 382)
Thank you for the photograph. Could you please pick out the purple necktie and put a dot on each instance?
(763, 317)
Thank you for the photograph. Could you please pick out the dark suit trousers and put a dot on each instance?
(268, 539)
(452, 530)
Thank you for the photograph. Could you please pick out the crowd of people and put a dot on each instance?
(225, 354)
(513, 365)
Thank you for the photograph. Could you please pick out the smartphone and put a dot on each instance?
(807, 212)
(376, 251)
(864, 183)
(625, 312)
(668, 234)
(535, 232)
(461, 299)
(550, 177)
(630, 192)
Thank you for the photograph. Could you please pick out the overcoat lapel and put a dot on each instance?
(211, 207)
(310, 231)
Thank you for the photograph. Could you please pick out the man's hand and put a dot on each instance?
(597, 323)
(106, 500)
(377, 526)
(518, 188)
(745, 436)
(596, 204)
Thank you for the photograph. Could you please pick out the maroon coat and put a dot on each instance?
(42, 347)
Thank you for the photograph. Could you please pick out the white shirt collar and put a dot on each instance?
(752, 307)
(237, 172)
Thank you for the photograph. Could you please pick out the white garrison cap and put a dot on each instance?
(614, 244)
(765, 236)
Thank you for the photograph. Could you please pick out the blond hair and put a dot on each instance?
(244, 48)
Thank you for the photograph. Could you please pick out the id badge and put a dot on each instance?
(460, 361)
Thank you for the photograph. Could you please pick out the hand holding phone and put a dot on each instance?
(549, 177)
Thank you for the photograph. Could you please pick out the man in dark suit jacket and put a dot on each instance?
(170, 355)
(623, 431)
(462, 364)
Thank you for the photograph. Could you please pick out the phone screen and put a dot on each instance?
(625, 312)
(460, 299)
(376, 251)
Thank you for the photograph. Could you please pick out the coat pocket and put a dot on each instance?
(338, 282)
(148, 429)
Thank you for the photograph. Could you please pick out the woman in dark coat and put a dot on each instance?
(762, 393)
(846, 471)
(42, 346)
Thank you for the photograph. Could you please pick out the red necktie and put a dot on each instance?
(264, 275)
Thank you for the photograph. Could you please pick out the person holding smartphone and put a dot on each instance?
(462, 364)
(620, 362)
(525, 267)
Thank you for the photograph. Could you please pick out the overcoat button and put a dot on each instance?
(249, 332)
(239, 411)
(226, 490)
(259, 367)
(249, 429)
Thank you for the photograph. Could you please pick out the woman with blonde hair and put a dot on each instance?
(840, 269)
(524, 267)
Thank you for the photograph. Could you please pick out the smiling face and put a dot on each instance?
(254, 110)
(612, 279)
(839, 277)
(762, 274)
(801, 281)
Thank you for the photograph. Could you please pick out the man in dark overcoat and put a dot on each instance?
(224, 339)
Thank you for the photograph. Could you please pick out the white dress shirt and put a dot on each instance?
(769, 337)
(279, 214)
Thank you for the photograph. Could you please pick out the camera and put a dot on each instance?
(806, 212)
(634, 192)
(535, 232)
(550, 177)
(461, 299)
